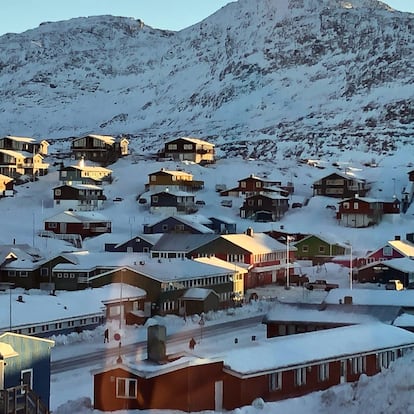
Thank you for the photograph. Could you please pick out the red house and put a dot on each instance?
(394, 249)
(272, 369)
(86, 223)
(364, 211)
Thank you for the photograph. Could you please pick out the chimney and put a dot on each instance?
(397, 237)
(156, 340)
(249, 231)
(347, 300)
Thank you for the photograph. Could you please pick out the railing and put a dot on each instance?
(21, 400)
(74, 239)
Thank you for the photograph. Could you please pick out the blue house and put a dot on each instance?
(142, 243)
(25, 372)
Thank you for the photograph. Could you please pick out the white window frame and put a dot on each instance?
(275, 381)
(300, 376)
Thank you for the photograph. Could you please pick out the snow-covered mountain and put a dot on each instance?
(291, 76)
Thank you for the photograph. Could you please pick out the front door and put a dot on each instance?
(343, 371)
(218, 395)
(26, 378)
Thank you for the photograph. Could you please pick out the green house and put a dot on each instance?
(319, 249)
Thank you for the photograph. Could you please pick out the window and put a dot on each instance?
(346, 206)
(300, 377)
(188, 146)
(155, 199)
(305, 248)
(153, 178)
(172, 146)
(58, 192)
(258, 184)
(358, 365)
(63, 174)
(387, 251)
(323, 372)
(24, 273)
(126, 388)
(12, 273)
(259, 202)
(243, 184)
(384, 359)
(44, 272)
(275, 381)
(164, 227)
(321, 249)
(356, 206)
(52, 225)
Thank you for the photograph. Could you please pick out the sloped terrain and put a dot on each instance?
(257, 78)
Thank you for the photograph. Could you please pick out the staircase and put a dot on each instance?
(74, 239)
(21, 400)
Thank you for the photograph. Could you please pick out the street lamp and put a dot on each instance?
(288, 239)
(350, 264)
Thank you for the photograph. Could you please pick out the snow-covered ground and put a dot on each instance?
(22, 216)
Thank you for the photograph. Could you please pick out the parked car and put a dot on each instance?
(297, 205)
(200, 202)
(394, 284)
(227, 203)
(321, 284)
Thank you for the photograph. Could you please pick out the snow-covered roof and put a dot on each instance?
(342, 314)
(403, 298)
(77, 217)
(183, 242)
(282, 353)
(403, 264)
(258, 243)
(20, 139)
(237, 267)
(197, 293)
(329, 239)
(173, 172)
(105, 138)
(91, 168)
(124, 291)
(403, 246)
(197, 141)
(7, 351)
(81, 186)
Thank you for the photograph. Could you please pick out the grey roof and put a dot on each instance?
(182, 242)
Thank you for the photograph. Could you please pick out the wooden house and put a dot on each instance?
(393, 249)
(272, 370)
(383, 271)
(178, 224)
(341, 185)
(25, 368)
(102, 149)
(141, 243)
(173, 181)
(24, 144)
(254, 185)
(6, 186)
(291, 319)
(364, 211)
(126, 304)
(16, 164)
(264, 207)
(223, 225)
(319, 249)
(27, 267)
(266, 258)
(190, 149)
(84, 174)
(170, 203)
(79, 197)
(86, 223)
(279, 368)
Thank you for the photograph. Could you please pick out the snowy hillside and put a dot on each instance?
(292, 76)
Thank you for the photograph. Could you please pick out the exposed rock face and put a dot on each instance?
(257, 77)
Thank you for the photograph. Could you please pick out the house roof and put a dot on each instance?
(89, 168)
(239, 267)
(76, 217)
(20, 139)
(172, 172)
(27, 337)
(81, 186)
(368, 200)
(281, 353)
(271, 196)
(124, 291)
(332, 313)
(194, 223)
(197, 293)
(178, 193)
(7, 351)
(150, 238)
(346, 175)
(106, 138)
(223, 219)
(403, 264)
(258, 243)
(324, 238)
(183, 242)
(403, 298)
(196, 141)
(403, 246)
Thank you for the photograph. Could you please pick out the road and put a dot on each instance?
(179, 340)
